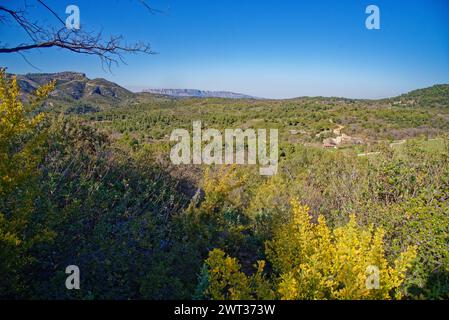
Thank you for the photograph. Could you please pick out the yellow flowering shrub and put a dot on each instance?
(270, 207)
(222, 187)
(20, 145)
(228, 282)
(217, 216)
(315, 262)
(17, 125)
(311, 261)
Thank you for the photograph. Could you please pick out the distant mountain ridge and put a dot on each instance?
(74, 86)
(195, 93)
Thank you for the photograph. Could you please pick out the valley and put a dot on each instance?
(89, 174)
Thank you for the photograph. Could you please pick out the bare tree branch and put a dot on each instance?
(109, 50)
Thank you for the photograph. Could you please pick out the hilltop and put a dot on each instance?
(195, 93)
(435, 96)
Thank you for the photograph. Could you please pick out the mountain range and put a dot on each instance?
(77, 86)
(195, 93)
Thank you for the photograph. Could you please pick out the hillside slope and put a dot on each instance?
(72, 87)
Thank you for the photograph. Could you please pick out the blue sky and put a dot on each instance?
(266, 48)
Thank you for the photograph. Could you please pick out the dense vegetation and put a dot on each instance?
(93, 187)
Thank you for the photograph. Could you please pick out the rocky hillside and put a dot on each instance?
(73, 86)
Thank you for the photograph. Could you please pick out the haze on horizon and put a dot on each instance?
(275, 49)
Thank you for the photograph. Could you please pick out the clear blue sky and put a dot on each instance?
(266, 48)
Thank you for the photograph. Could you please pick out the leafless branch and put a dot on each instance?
(109, 50)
